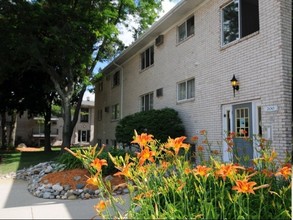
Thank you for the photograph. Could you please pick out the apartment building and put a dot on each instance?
(224, 65)
(30, 130)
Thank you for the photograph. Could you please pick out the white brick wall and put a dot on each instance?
(261, 63)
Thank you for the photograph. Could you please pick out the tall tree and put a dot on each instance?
(69, 37)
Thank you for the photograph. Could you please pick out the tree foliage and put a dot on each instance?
(68, 38)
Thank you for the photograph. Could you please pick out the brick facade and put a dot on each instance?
(260, 61)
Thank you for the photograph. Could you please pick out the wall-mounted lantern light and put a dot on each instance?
(235, 84)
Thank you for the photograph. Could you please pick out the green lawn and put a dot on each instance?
(13, 161)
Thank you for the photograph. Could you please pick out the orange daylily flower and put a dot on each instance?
(177, 143)
(125, 171)
(201, 170)
(267, 172)
(97, 164)
(101, 206)
(243, 186)
(142, 139)
(200, 148)
(215, 152)
(93, 181)
(146, 154)
(147, 194)
(232, 134)
(203, 132)
(165, 164)
(194, 138)
(187, 171)
(227, 170)
(182, 184)
(243, 132)
(205, 141)
(285, 172)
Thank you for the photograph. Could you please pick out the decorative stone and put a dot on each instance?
(71, 197)
(76, 178)
(80, 185)
(46, 195)
(57, 187)
(47, 190)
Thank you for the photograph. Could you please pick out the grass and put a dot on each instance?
(13, 160)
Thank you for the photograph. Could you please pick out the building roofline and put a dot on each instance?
(180, 10)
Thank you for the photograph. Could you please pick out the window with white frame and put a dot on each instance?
(147, 101)
(147, 58)
(116, 79)
(185, 90)
(239, 19)
(84, 115)
(115, 112)
(186, 29)
(83, 135)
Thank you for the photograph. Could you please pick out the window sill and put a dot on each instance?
(186, 39)
(145, 69)
(184, 101)
(223, 47)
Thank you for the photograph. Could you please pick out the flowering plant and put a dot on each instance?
(164, 184)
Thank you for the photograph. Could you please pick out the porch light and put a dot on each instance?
(235, 84)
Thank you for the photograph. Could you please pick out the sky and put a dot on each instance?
(127, 38)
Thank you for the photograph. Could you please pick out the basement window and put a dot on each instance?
(240, 18)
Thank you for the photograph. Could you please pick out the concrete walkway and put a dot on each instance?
(17, 203)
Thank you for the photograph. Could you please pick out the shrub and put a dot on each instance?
(161, 123)
(69, 161)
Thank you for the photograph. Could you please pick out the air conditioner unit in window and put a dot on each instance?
(159, 40)
(160, 92)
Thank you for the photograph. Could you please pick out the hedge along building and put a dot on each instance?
(186, 61)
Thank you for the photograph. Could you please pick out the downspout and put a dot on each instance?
(121, 88)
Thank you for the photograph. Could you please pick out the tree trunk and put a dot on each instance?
(4, 130)
(47, 129)
(12, 133)
(67, 127)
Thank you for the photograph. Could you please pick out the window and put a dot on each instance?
(84, 115)
(83, 135)
(115, 112)
(185, 90)
(239, 19)
(116, 79)
(186, 29)
(147, 101)
(100, 114)
(147, 58)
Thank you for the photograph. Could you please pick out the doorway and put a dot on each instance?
(244, 120)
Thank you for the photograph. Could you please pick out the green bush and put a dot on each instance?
(110, 169)
(69, 161)
(160, 123)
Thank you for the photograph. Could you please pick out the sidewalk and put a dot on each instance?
(17, 203)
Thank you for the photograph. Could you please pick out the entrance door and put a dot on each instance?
(242, 126)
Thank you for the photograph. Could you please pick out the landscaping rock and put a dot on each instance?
(47, 190)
